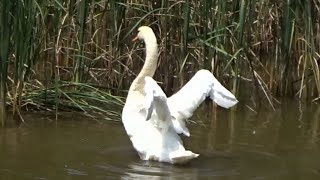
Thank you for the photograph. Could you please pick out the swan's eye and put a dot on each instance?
(140, 35)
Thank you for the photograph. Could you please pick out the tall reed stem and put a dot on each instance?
(5, 31)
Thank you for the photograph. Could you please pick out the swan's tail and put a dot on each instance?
(182, 157)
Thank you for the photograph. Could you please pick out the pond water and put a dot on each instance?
(233, 145)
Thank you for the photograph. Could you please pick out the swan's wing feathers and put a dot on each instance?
(203, 84)
(183, 103)
(222, 96)
(149, 104)
(155, 100)
(179, 126)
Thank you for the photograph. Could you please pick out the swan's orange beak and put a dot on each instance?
(135, 38)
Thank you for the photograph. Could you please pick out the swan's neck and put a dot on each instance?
(150, 64)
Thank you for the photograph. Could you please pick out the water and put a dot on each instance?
(281, 144)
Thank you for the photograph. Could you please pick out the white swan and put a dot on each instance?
(152, 121)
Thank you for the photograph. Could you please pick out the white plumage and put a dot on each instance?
(202, 85)
(153, 121)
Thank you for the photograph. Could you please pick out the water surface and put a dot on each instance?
(266, 144)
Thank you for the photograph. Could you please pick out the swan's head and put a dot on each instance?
(145, 33)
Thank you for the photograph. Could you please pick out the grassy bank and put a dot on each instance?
(71, 53)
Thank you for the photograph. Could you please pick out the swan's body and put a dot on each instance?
(153, 121)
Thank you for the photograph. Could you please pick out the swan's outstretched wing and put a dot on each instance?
(155, 100)
(203, 84)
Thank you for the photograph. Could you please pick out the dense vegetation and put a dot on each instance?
(78, 54)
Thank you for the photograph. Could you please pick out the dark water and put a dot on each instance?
(281, 144)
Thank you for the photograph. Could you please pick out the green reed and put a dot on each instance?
(310, 47)
(271, 46)
(5, 31)
(79, 65)
(24, 38)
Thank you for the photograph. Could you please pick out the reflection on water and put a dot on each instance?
(282, 144)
